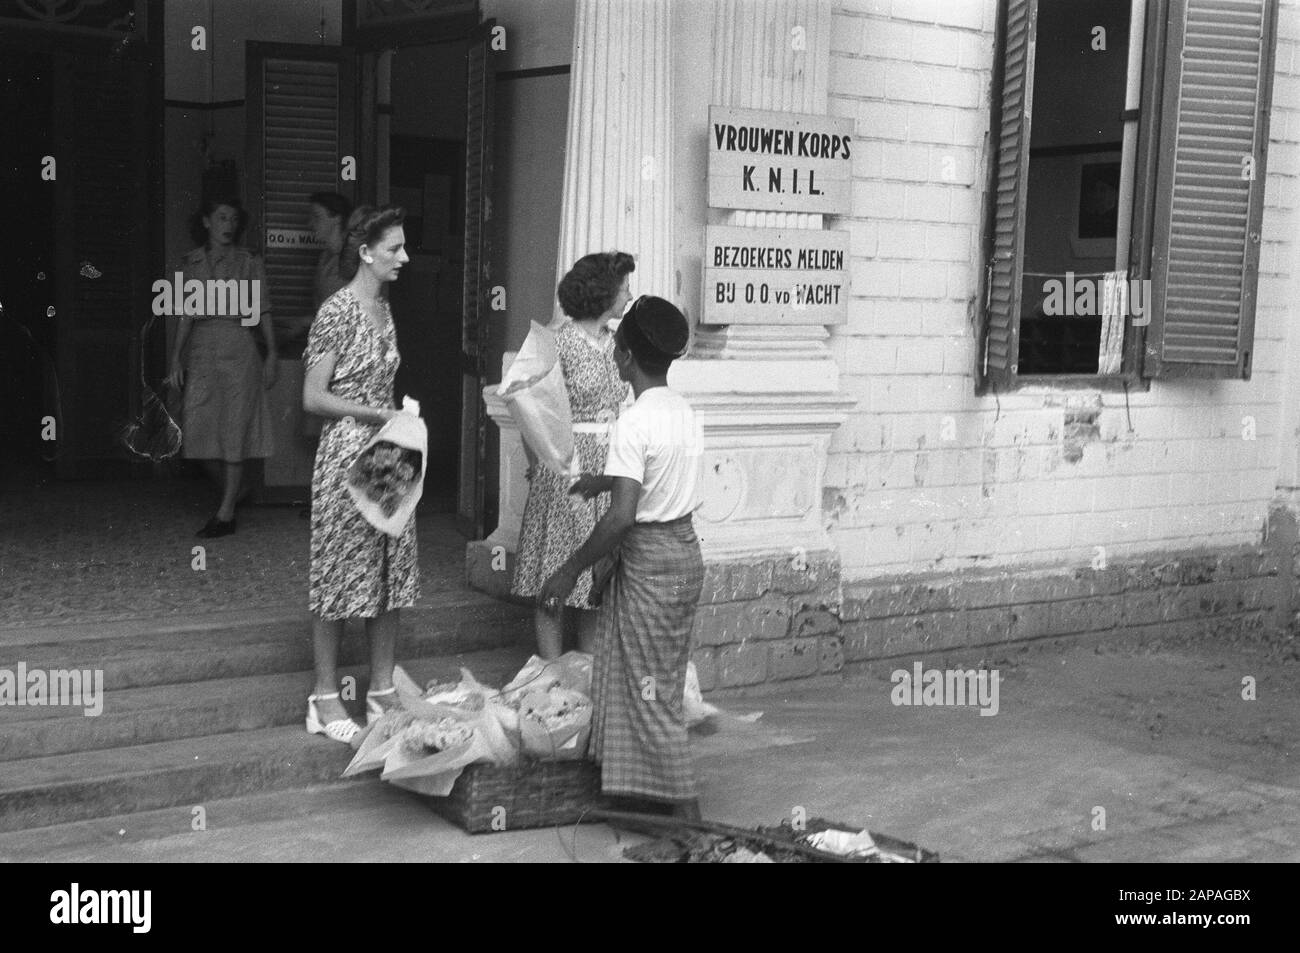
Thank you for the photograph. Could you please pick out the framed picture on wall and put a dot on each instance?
(1096, 206)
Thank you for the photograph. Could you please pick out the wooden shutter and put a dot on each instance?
(300, 113)
(1009, 187)
(1205, 263)
(471, 498)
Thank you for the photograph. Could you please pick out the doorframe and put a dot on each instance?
(476, 328)
(421, 30)
(371, 41)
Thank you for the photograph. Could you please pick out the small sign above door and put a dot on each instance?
(291, 238)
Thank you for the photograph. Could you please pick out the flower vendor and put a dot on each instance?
(653, 470)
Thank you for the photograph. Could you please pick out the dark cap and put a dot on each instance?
(655, 330)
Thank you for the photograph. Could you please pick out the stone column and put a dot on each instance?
(618, 156)
(617, 196)
(768, 396)
(770, 393)
(490, 563)
(769, 54)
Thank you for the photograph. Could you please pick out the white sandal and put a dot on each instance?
(342, 729)
(374, 710)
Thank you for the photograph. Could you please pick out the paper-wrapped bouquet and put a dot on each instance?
(534, 392)
(425, 743)
(386, 479)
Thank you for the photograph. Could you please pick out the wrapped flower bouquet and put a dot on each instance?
(387, 477)
(555, 724)
(386, 474)
(535, 394)
(424, 744)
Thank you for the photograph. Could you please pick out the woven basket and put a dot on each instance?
(532, 793)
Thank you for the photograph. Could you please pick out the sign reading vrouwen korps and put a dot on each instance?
(775, 276)
(778, 161)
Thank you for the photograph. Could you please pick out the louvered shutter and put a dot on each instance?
(300, 111)
(1010, 184)
(1205, 263)
(471, 499)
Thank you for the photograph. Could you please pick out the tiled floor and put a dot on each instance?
(89, 552)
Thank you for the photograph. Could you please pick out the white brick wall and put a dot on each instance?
(927, 476)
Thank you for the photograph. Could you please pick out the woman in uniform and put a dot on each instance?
(225, 418)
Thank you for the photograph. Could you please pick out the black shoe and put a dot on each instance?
(216, 527)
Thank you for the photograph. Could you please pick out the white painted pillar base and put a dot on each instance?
(767, 429)
(490, 563)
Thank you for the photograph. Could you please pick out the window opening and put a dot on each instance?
(1075, 289)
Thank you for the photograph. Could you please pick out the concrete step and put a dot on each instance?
(37, 792)
(156, 713)
(170, 655)
(101, 780)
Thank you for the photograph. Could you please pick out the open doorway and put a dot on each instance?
(426, 176)
(425, 141)
(77, 183)
(27, 331)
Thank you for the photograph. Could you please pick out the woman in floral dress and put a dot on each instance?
(557, 522)
(356, 571)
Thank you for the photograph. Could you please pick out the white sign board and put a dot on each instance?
(775, 276)
(779, 162)
(291, 238)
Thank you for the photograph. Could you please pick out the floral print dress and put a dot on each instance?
(555, 522)
(356, 570)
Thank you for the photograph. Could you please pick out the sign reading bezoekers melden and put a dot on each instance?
(775, 276)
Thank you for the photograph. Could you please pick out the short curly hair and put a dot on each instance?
(207, 208)
(592, 284)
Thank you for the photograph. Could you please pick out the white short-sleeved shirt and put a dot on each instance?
(659, 442)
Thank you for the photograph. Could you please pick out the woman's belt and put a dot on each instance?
(591, 426)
